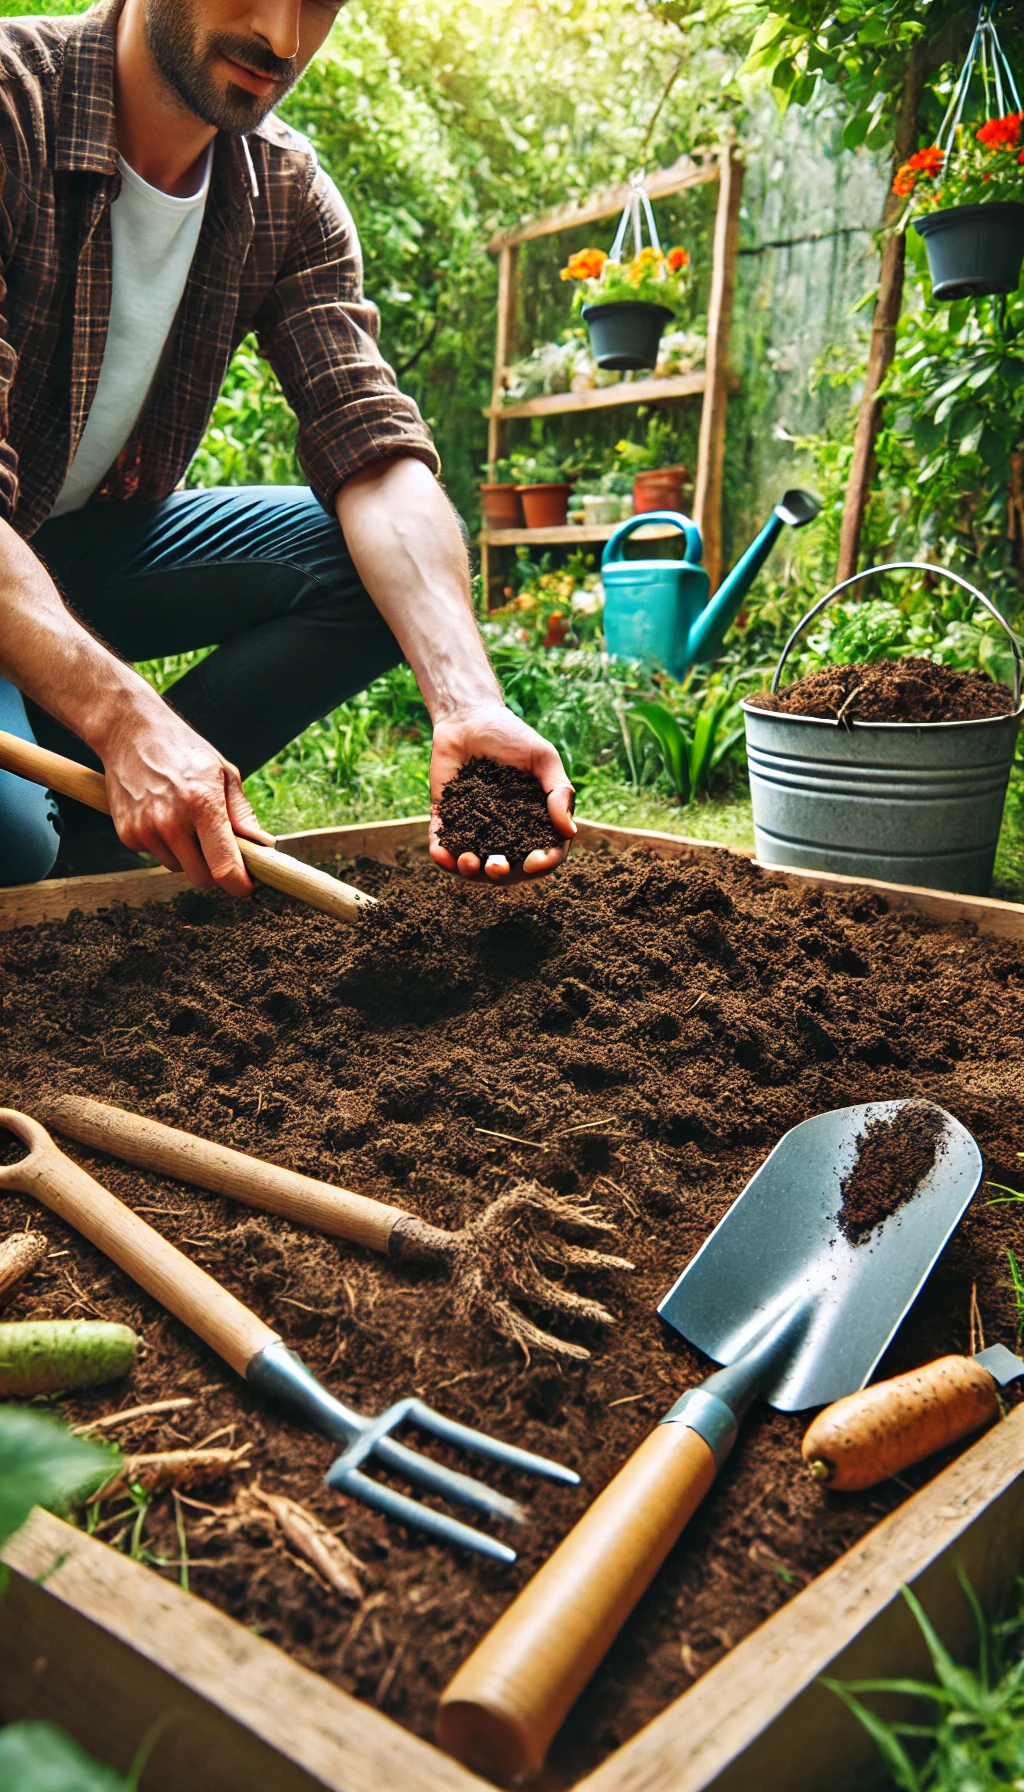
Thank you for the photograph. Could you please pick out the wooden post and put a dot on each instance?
(707, 500)
(503, 351)
(883, 332)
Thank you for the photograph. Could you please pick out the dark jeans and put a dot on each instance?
(262, 573)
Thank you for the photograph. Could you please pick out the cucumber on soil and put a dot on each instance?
(46, 1356)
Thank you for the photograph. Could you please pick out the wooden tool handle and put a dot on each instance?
(264, 863)
(869, 1436)
(164, 1272)
(504, 1705)
(153, 1146)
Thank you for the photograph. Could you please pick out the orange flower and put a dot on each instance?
(586, 264)
(924, 161)
(1001, 133)
(678, 259)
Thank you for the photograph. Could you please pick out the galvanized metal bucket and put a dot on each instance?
(910, 803)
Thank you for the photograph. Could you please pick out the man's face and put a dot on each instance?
(230, 61)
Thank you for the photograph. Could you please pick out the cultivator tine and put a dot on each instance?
(451, 1432)
(409, 1511)
(375, 1440)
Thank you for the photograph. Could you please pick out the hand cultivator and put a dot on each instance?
(498, 1250)
(258, 1354)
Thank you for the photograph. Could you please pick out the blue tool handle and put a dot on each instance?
(694, 545)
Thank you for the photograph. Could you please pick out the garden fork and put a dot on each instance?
(256, 1352)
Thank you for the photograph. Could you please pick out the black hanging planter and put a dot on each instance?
(624, 335)
(974, 250)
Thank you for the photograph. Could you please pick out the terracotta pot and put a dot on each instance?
(501, 506)
(659, 489)
(544, 506)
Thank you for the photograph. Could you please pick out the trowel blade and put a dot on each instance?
(779, 1249)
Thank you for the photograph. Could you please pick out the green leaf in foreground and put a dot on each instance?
(41, 1464)
(36, 1757)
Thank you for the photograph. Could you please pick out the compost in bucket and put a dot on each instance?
(631, 1034)
(904, 690)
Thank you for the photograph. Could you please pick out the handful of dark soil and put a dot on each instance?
(894, 1155)
(912, 690)
(495, 810)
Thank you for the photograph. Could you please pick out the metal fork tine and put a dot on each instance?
(453, 1433)
(409, 1511)
(447, 1482)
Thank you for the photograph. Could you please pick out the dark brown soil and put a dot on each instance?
(894, 1155)
(911, 690)
(495, 810)
(642, 1033)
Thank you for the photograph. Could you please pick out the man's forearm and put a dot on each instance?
(51, 658)
(404, 539)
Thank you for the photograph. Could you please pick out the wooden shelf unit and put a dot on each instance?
(712, 385)
(567, 533)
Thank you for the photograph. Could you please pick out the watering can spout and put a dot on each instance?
(705, 638)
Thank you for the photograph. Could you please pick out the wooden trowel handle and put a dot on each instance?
(504, 1705)
(264, 863)
(888, 1427)
(270, 1187)
(153, 1262)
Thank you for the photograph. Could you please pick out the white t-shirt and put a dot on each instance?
(154, 239)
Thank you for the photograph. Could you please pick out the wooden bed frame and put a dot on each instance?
(109, 1649)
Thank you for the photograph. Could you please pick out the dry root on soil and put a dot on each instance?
(161, 1469)
(495, 1261)
(322, 1549)
(20, 1254)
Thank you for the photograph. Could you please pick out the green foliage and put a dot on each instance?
(251, 437)
(975, 1739)
(37, 1757)
(41, 1464)
(690, 755)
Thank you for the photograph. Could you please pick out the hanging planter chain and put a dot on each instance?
(987, 53)
(631, 214)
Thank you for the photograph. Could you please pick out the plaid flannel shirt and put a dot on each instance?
(278, 254)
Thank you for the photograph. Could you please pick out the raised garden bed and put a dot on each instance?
(345, 1063)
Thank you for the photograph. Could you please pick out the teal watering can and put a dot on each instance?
(659, 610)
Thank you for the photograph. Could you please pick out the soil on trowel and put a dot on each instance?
(894, 1155)
(911, 690)
(491, 809)
(631, 1036)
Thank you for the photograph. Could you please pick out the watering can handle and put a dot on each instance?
(905, 566)
(694, 545)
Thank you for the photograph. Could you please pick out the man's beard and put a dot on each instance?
(186, 66)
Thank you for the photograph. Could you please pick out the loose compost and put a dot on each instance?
(489, 809)
(893, 1158)
(629, 1034)
(906, 690)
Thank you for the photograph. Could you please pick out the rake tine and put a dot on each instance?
(451, 1432)
(409, 1511)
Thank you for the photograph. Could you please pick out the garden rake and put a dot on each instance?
(257, 1353)
(489, 1263)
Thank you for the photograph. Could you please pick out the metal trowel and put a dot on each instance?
(798, 1316)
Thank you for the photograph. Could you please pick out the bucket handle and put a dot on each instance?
(694, 545)
(905, 566)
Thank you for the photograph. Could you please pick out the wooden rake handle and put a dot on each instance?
(235, 1333)
(153, 1146)
(501, 1710)
(264, 863)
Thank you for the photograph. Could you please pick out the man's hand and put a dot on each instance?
(171, 794)
(490, 731)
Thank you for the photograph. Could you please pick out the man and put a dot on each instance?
(152, 211)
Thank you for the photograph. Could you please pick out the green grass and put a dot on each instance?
(967, 1734)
